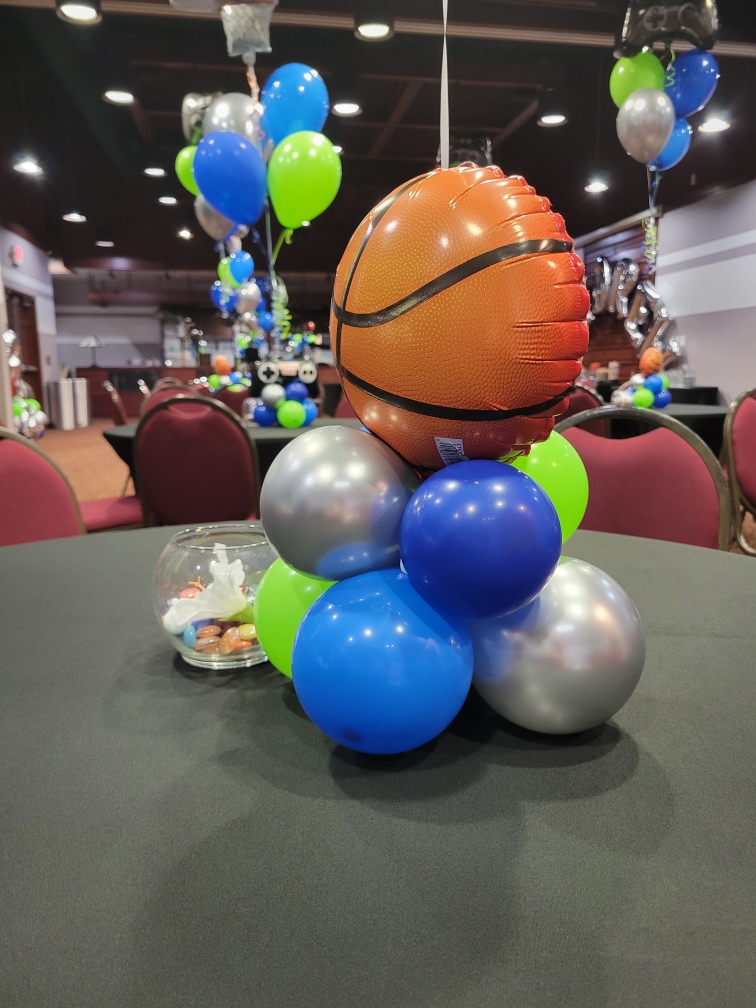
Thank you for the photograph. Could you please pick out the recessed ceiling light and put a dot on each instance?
(74, 217)
(557, 119)
(185, 233)
(346, 108)
(155, 172)
(117, 97)
(28, 166)
(373, 31)
(337, 149)
(167, 200)
(714, 125)
(305, 223)
(104, 244)
(79, 11)
(596, 186)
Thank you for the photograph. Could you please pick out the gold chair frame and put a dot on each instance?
(738, 500)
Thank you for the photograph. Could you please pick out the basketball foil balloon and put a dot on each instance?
(458, 317)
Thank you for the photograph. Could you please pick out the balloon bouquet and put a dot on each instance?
(422, 553)
(647, 388)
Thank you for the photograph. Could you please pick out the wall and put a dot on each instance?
(706, 273)
(130, 333)
(32, 277)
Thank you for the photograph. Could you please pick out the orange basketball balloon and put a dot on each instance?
(458, 317)
(650, 362)
(222, 365)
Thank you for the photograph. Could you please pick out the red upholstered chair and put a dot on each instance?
(115, 404)
(234, 400)
(740, 457)
(195, 463)
(344, 409)
(112, 513)
(664, 484)
(584, 397)
(163, 394)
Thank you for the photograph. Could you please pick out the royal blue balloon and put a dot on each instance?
(266, 321)
(236, 377)
(296, 390)
(691, 80)
(662, 399)
(294, 98)
(676, 147)
(377, 668)
(654, 383)
(259, 342)
(311, 411)
(223, 296)
(241, 265)
(231, 176)
(263, 415)
(479, 539)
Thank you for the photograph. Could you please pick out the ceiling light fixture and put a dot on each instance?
(115, 96)
(80, 12)
(167, 200)
(337, 149)
(346, 108)
(103, 243)
(28, 166)
(374, 21)
(552, 108)
(74, 217)
(714, 125)
(155, 172)
(597, 186)
(185, 233)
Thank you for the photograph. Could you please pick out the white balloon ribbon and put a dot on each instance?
(444, 130)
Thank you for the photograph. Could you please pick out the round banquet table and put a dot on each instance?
(180, 843)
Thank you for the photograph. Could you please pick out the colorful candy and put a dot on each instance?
(189, 593)
(229, 640)
(209, 631)
(247, 632)
(190, 636)
(203, 643)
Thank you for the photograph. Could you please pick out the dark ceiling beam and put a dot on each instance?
(519, 120)
(407, 97)
(143, 123)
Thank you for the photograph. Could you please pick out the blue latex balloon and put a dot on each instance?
(296, 390)
(223, 296)
(231, 176)
(377, 668)
(654, 383)
(311, 411)
(236, 377)
(676, 147)
(241, 265)
(691, 80)
(259, 342)
(263, 415)
(479, 539)
(266, 321)
(294, 98)
(662, 399)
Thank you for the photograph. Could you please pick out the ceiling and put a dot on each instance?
(502, 54)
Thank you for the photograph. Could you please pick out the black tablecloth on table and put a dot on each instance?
(168, 843)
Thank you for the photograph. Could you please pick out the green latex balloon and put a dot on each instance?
(643, 398)
(665, 381)
(304, 175)
(185, 169)
(291, 413)
(34, 403)
(633, 72)
(238, 387)
(559, 471)
(283, 598)
(19, 405)
(224, 273)
(213, 381)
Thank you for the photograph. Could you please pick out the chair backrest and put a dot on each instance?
(170, 382)
(344, 409)
(143, 388)
(194, 462)
(739, 445)
(36, 499)
(115, 404)
(162, 395)
(664, 484)
(583, 398)
(234, 400)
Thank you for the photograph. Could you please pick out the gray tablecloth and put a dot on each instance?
(170, 843)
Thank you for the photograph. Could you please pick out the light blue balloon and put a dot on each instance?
(231, 176)
(311, 411)
(294, 98)
(241, 266)
(676, 147)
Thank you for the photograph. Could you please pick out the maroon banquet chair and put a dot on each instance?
(344, 409)
(739, 442)
(234, 400)
(664, 484)
(117, 409)
(163, 394)
(195, 463)
(583, 398)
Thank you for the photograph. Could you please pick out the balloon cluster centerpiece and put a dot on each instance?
(649, 388)
(224, 376)
(391, 595)
(286, 405)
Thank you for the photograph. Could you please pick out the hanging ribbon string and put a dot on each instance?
(444, 99)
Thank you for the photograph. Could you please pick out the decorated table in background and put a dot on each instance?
(168, 842)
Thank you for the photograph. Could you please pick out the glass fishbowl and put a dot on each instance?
(204, 590)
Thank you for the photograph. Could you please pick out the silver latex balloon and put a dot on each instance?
(644, 123)
(272, 395)
(231, 113)
(333, 500)
(193, 106)
(566, 662)
(247, 297)
(212, 222)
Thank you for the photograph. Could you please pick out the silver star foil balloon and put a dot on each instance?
(231, 113)
(566, 662)
(193, 106)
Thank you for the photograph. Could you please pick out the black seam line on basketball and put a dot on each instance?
(449, 412)
(446, 280)
(365, 239)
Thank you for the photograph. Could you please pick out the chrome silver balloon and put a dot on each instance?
(644, 123)
(231, 113)
(272, 395)
(212, 222)
(566, 662)
(247, 297)
(193, 107)
(333, 500)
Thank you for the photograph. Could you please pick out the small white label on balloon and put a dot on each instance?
(451, 450)
(308, 372)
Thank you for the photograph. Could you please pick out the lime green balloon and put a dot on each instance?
(643, 398)
(238, 387)
(185, 169)
(633, 72)
(665, 381)
(34, 403)
(213, 381)
(282, 600)
(291, 413)
(225, 274)
(559, 471)
(19, 405)
(304, 175)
